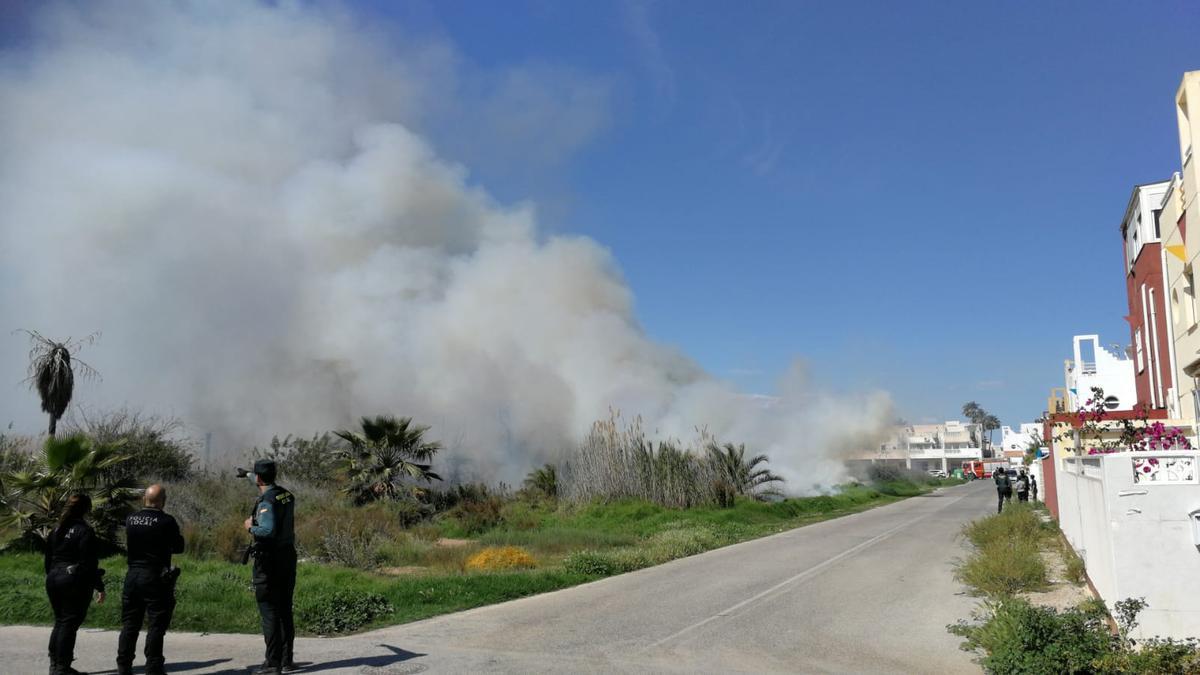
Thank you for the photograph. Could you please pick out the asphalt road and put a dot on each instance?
(867, 593)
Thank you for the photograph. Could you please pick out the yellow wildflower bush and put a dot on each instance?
(501, 558)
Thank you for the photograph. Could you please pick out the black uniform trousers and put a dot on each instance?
(148, 598)
(1002, 496)
(274, 584)
(70, 597)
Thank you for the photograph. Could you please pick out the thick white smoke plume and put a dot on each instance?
(240, 197)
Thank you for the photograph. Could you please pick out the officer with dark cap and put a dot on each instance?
(274, 566)
(151, 536)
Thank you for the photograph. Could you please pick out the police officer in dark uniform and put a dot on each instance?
(72, 574)
(274, 578)
(151, 537)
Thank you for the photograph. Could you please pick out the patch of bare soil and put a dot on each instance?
(1062, 593)
(447, 542)
(402, 571)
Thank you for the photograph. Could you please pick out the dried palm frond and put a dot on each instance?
(52, 371)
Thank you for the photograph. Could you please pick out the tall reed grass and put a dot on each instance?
(616, 461)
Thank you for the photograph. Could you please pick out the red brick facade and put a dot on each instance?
(1148, 328)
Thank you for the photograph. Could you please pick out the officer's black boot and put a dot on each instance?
(124, 668)
(268, 669)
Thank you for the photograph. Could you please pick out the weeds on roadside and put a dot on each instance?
(1004, 567)
(1007, 558)
(1015, 637)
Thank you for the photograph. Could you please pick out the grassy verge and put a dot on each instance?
(1007, 558)
(1011, 635)
(422, 575)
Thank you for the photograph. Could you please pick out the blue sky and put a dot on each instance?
(887, 191)
(921, 196)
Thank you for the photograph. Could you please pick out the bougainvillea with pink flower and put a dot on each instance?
(1138, 433)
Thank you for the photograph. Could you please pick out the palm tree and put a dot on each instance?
(738, 476)
(52, 372)
(388, 451)
(543, 480)
(35, 497)
(990, 424)
(980, 418)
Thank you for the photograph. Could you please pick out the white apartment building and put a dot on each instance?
(922, 447)
(1018, 440)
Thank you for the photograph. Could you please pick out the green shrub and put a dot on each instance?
(1017, 521)
(886, 473)
(521, 515)
(341, 546)
(33, 498)
(352, 536)
(1004, 567)
(681, 543)
(606, 563)
(1017, 637)
(901, 488)
(314, 461)
(210, 508)
(156, 446)
(1014, 636)
(1076, 571)
(1154, 656)
(478, 510)
(342, 612)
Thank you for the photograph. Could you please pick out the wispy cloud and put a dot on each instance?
(763, 159)
(650, 51)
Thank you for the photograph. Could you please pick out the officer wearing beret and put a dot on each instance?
(274, 566)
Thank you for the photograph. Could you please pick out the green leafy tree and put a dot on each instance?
(156, 446)
(738, 476)
(52, 372)
(309, 460)
(382, 460)
(34, 497)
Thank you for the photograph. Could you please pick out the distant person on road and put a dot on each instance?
(1022, 487)
(274, 566)
(151, 537)
(1033, 487)
(72, 574)
(1003, 488)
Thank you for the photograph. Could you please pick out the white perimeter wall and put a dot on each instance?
(1134, 535)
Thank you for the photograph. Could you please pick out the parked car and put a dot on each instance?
(938, 473)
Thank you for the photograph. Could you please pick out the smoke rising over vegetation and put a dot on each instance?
(245, 200)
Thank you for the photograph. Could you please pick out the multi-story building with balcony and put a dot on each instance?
(923, 447)
(1014, 443)
(1095, 366)
(1149, 329)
